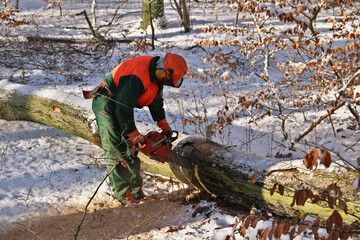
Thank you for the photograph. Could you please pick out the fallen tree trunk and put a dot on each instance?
(66, 112)
(248, 179)
(74, 41)
(223, 171)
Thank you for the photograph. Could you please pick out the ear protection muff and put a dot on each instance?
(160, 74)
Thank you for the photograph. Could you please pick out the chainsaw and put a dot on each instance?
(157, 146)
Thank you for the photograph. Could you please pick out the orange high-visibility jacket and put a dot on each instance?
(133, 86)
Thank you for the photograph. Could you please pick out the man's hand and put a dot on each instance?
(136, 139)
(168, 132)
(165, 127)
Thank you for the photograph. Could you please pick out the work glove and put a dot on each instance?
(136, 139)
(165, 127)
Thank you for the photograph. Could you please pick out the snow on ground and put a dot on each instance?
(44, 170)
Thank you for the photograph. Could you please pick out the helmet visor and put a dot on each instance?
(176, 84)
(179, 83)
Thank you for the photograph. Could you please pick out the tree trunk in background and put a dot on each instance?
(186, 14)
(157, 12)
(60, 7)
(223, 171)
(183, 11)
(93, 8)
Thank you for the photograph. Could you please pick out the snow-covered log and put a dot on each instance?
(254, 180)
(223, 171)
(64, 111)
(50, 107)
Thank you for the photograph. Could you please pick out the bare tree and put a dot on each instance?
(5, 2)
(183, 9)
(93, 7)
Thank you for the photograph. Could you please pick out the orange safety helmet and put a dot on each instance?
(175, 68)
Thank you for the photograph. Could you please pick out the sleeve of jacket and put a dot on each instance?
(157, 106)
(126, 100)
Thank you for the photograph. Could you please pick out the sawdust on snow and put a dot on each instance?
(112, 221)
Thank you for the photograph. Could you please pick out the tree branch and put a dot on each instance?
(317, 122)
(91, 198)
(89, 23)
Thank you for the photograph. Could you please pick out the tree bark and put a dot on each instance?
(74, 41)
(223, 171)
(17, 105)
(186, 14)
(157, 12)
(229, 173)
(93, 9)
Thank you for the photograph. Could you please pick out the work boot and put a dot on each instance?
(139, 195)
(123, 201)
(129, 197)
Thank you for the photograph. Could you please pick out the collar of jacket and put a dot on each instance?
(153, 68)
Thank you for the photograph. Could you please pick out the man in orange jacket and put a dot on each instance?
(135, 83)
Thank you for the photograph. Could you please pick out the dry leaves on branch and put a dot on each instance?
(281, 189)
(325, 158)
(253, 177)
(301, 196)
(311, 159)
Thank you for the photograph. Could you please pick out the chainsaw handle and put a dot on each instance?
(173, 137)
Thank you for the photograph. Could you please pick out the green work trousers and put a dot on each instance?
(126, 175)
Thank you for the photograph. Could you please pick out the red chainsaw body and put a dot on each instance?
(157, 147)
